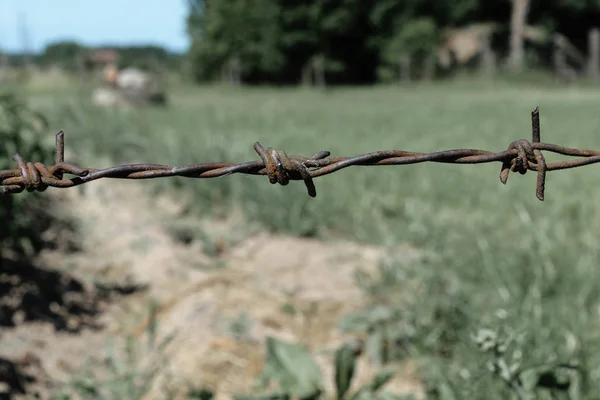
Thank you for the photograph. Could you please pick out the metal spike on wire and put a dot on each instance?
(521, 156)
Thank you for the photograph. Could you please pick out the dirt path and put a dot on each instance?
(211, 314)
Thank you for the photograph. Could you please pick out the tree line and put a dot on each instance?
(66, 55)
(360, 41)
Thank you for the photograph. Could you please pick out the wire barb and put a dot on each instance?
(281, 168)
(521, 156)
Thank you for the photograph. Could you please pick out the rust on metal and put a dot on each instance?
(521, 156)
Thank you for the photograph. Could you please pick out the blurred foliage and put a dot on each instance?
(436, 317)
(274, 40)
(65, 54)
(359, 39)
(240, 28)
(62, 54)
(416, 39)
(125, 376)
(298, 376)
(24, 218)
(146, 57)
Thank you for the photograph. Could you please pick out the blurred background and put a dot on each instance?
(427, 281)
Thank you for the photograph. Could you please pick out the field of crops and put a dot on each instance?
(504, 281)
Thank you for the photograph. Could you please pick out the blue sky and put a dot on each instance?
(93, 22)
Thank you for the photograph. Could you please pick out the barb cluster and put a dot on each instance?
(521, 156)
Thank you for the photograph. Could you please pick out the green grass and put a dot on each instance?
(378, 204)
(501, 258)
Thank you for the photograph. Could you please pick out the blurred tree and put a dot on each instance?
(224, 30)
(357, 40)
(572, 18)
(345, 30)
(416, 39)
(146, 57)
(518, 21)
(275, 39)
(63, 54)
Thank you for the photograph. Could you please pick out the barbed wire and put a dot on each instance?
(521, 156)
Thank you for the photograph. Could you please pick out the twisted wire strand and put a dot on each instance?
(521, 156)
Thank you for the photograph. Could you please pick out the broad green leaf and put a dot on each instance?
(277, 395)
(377, 383)
(382, 378)
(201, 394)
(375, 346)
(345, 362)
(293, 367)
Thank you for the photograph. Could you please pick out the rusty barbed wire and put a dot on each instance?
(521, 156)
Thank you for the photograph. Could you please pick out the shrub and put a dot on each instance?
(23, 218)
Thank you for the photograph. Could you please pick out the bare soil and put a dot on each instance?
(198, 311)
